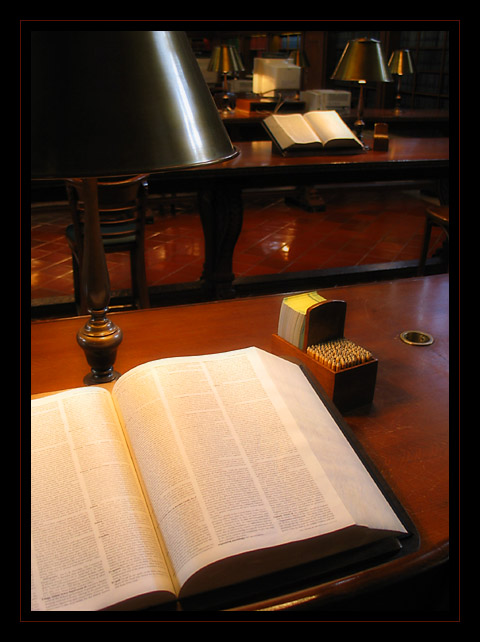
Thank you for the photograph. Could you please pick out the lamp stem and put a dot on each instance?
(99, 337)
(398, 97)
(359, 124)
(225, 95)
(96, 281)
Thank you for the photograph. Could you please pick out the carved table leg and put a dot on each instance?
(221, 213)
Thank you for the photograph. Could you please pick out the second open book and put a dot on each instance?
(195, 473)
(313, 131)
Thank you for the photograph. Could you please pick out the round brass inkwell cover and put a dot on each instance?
(416, 338)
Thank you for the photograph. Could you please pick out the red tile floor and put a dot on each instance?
(358, 226)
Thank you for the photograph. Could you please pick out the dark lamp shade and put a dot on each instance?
(225, 59)
(116, 103)
(362, 61)
(401, 63)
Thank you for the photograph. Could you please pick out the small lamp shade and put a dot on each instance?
(225, 60)
(401, 63)
(114, 103)
(362, 61)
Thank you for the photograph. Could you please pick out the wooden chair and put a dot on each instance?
(435, 216)
(122, 207)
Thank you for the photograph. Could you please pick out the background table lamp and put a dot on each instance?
(226, 60)
(362, 61)
(116, 103)
(400, 64)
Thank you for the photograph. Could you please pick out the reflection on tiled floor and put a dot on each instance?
(357, 227)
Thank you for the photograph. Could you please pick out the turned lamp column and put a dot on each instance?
(99, 337)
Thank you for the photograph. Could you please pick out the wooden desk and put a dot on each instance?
(258, 166)
(405, 432)
(423, 121)
(243, 125)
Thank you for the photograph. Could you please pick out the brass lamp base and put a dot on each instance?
(100, 338)
(358, 127)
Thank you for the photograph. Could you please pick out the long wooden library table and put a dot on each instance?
(257, 165)
(247, 125)
(405, 431)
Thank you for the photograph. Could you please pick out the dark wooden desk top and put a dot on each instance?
(405, 432)
(247, 125)
(370, 114)
(257, 164)
(259, 154)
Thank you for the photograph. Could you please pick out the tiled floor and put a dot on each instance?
(357, 227)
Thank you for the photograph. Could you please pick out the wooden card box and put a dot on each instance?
(348, 388)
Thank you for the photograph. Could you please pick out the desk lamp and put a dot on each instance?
(116, 103)
(226, 60)
(400, 64)
(362, 61)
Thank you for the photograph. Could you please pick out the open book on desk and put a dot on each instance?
(311, 132)
(192, 474)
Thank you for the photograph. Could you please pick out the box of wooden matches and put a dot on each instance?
(312, 334)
